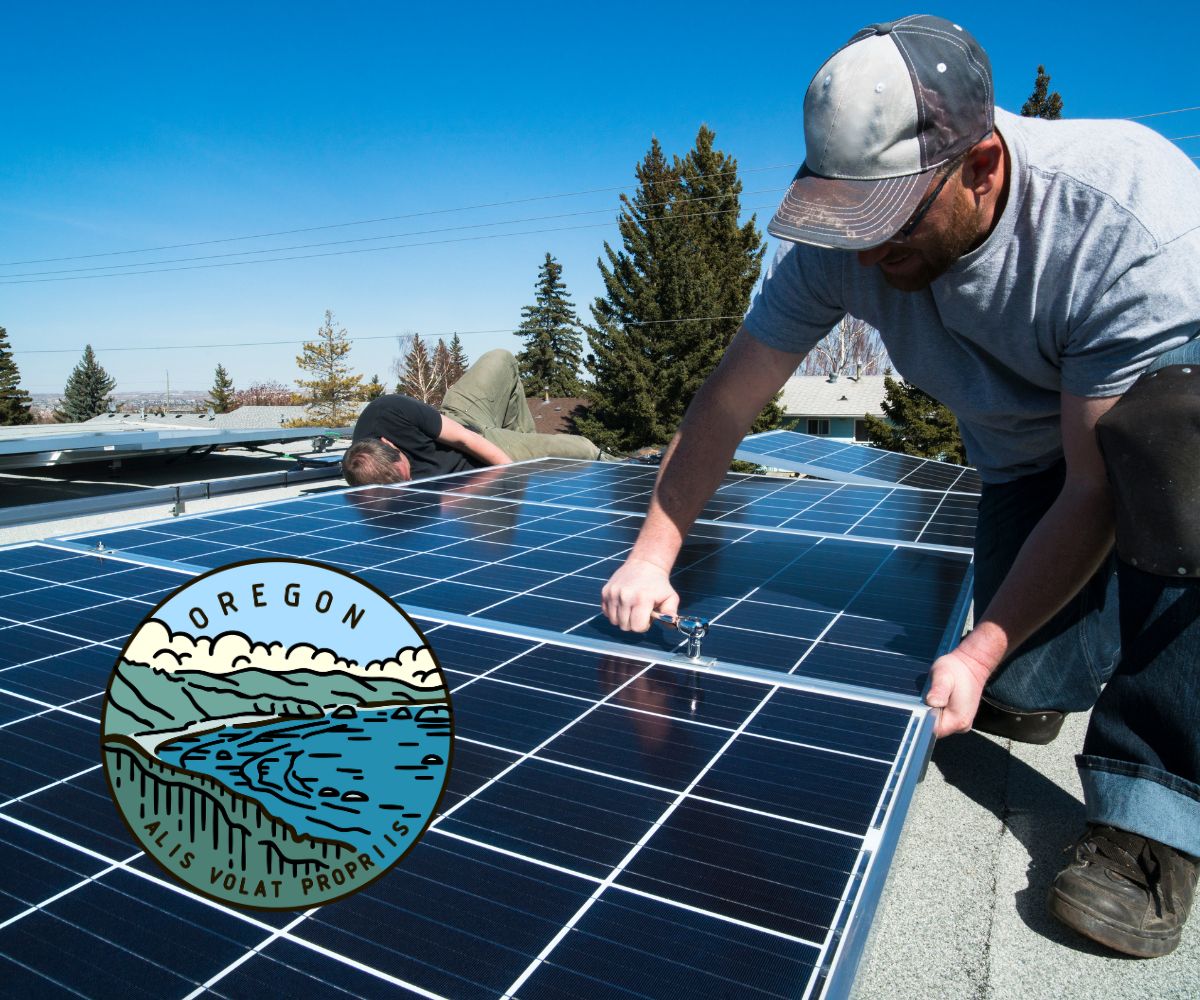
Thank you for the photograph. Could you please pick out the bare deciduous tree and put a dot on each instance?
(853, 347)
(416, 374)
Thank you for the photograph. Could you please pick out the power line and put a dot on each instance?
(361, 239)
(410, 215)
(343, 253)
(1178, 138)
(1158, 114)
(370, 222)
(381, 336)
(430, 212)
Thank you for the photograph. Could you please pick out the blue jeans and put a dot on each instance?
(1140, 633)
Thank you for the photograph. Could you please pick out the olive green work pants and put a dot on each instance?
(490, 399)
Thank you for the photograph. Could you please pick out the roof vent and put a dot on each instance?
(833, 377)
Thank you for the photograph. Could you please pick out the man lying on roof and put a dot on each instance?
(483, 421)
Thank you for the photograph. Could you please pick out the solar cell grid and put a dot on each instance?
(931, 518)
(542, 567)
(595, 815)
(831, 459)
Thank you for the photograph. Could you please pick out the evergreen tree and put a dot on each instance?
(674, 296)
(919, 425)
(15, 402)
(87, 393)
(458, 361)
(372, 390)
(332, 388)
(1042, 104)
(221, 394)
(418, 378)
(553, 347)
(725, 271)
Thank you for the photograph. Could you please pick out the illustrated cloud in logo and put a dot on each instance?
(155, 645)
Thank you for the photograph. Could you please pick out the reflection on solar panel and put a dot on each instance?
(23, 448)
(871, 615)
(853, 463)
(888, 514)
(619, 819)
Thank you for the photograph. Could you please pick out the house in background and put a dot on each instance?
(831, 405)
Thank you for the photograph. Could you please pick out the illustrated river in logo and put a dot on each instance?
(277, 734)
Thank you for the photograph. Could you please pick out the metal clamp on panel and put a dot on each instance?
(693, 628)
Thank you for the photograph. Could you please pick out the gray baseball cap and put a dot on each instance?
(895, 103)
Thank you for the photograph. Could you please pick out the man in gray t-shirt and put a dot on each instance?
(1026, 273)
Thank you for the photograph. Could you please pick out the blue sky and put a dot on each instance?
(138, 125)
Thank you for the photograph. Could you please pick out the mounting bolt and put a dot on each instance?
(693, 627)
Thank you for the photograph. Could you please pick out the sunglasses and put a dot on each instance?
(905, 231)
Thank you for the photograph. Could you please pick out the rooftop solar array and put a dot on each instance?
(883, 513)
(59, 444)
(853, 463)
(619, 819)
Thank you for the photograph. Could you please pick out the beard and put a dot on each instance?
(911, 268)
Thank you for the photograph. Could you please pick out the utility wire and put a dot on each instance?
(395, 246)
(361, 239)
(370, 222)
(1159, 114)
(381, 336)
(429, 212)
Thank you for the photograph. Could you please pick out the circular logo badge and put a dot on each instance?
(277, 734)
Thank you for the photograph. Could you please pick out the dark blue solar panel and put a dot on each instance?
(859, 511)
(770, 595)
(640, 805)
(840, 461)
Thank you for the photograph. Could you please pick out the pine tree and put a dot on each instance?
(1042, 104)
(724, 273)
(553, 347)
(458, 361)
(674, 296)
(332, 388)
(221, 394)
(919, 425)
(87, 393)
(418, 378)
(372, 390)
(15, 402)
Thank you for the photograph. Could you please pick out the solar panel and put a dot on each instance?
(930, 518)
(614, 822)
(830, 609)
(23, 447)
(853, 463)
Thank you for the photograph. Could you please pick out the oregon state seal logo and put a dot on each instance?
(277, 734)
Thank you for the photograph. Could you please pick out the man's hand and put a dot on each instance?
(957, 684)
(635, 591)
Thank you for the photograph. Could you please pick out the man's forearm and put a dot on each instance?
(489, 453)
(692, 467)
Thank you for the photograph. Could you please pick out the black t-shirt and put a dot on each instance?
(413, 427)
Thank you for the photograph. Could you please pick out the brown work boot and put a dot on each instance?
(1128, 892)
